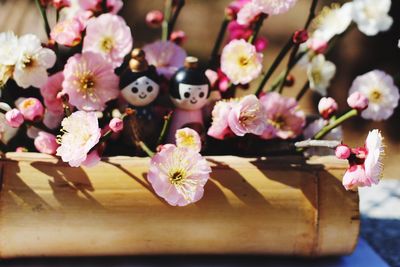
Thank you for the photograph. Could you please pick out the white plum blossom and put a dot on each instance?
(241, 62)
(372, 16)
(332, 21)
(8, 48)
(33, 62)
(382, 93)
(274, 7)
(8, 55)
(373, 161)
(81, 134)
(320, 73)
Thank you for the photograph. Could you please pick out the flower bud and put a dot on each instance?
(116, 125)
(358, 101)
(300, 36)
(231, 12)
(58, 4)
(67, 32)
(327, 106)
(31, 108)
(342, 152)
(261, 44)
(21, 149)
(318, 46)
(14, 118)
(154, 18)
(178, 37)
(46, 143)
(290, 80)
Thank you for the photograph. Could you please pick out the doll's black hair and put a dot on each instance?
(129, 76)
(187, 76)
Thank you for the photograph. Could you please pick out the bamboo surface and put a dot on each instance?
(279, 206)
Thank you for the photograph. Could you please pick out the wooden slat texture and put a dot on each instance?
(280, 206)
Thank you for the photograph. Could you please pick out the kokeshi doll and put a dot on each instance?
(189, 90)
(140, 88)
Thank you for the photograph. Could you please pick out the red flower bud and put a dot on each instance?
(300, 36)
(290, 80)
(178, 37)
(154, 18)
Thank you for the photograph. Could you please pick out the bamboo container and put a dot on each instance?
(279, 206)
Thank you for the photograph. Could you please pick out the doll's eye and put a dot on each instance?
(150, 89)
(135, 90)
(187, 94)
(201, 95)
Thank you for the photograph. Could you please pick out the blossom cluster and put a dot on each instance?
(86, 92)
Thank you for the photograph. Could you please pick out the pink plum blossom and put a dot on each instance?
(327, 106)
(212, 77)
(248, 13)
(358, 101)
(31, 108)
(14, 118)
(46, 143)
(355, 176)
(189, 138)
(166, 56)
(116, 125)
(109, 36)
(247, 116)
(178, 175)
(50, 91)
(113, 6)
(77, 141)
(219, 128)
(52, 120)
(285, 119)
(89, 81)
(238, 31)
(366, 165)
(92, 159)
(68, 32)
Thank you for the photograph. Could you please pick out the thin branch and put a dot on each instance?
(167, 120)
(42, 11)
(172, 22)
(303, 90)
(285, 49)
(317, 143)
(257, 27)
(218, 41)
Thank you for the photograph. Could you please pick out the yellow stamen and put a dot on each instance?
(375, 96)
(107, 44)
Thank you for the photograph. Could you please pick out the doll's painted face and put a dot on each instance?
(192, 97)
(141, 92)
